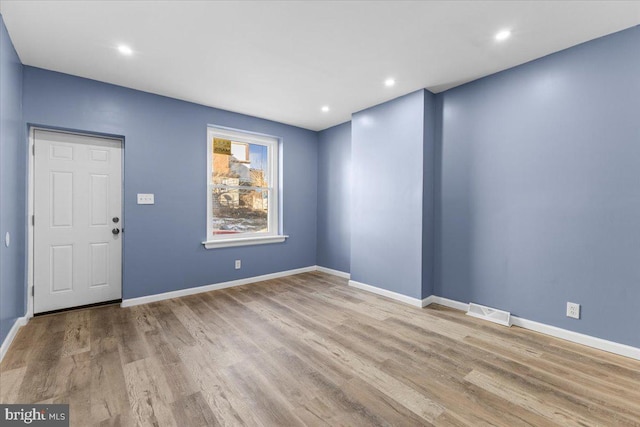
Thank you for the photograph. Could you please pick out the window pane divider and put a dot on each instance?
(240, 187)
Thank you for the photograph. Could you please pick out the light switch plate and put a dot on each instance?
(146, 199)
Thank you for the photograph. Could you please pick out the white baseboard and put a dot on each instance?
(390, 294)
(449, 303)
(206, 288)
(565, 334)
(576, 337)
(428, 300)
(333, 272)
(20, 322)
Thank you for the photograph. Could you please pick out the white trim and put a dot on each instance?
(243, 241)
(390, 294)
(19, 322)
(576, 337)
(30, 212)
(449, 303)
(241, 135)
(333, 272)
(206, 288)
(428, 300)
(272, 143)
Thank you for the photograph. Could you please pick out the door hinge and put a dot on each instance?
(33, 220)
(33, 149)
(33, 291)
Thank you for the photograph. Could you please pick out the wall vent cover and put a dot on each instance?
(491, 314)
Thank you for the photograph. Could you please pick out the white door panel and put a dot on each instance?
(78, 193)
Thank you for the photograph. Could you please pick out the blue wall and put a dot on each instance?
(334, 198)
(12, 186)
(386, 231)
(165, 154)
(540, 197)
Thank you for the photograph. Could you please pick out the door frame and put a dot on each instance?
(31, 170)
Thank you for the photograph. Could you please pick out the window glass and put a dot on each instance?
(242, 198)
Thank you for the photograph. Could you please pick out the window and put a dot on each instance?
(242, 189)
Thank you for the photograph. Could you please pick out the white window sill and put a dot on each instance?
(243, 241)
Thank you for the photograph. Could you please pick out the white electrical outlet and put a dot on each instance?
(238, 264)
(573, 310)
(146, 199)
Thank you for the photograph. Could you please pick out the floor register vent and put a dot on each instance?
(491, 314)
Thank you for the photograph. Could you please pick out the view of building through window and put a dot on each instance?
(240, 190)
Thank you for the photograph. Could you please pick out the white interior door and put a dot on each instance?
(78, 218)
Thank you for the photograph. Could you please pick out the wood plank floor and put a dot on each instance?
(309, 350)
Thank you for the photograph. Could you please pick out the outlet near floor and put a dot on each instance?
(238, 264)
(573, 310)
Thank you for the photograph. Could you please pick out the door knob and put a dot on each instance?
(115, 219)
(115, 231)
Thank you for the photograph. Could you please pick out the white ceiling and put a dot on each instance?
(283, 60)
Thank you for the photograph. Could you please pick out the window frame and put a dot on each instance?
(273, 235)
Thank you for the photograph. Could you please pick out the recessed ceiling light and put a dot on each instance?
(389, 82)
(503, 35)
(125, 50)
(325, 109)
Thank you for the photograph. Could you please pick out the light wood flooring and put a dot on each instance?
(309, 350)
